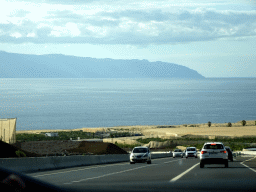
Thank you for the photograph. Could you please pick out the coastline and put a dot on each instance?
(216, 129)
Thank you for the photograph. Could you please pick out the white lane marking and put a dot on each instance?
(106, 175)
(162, 158)
(247, 165)
(173, 161)
(94, 167)
(114, 173)
(182, 174)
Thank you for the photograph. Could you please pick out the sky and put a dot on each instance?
(216, 38)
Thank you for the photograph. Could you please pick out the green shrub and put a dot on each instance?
(20, 153)
(209, 124)
(229, 124)
(255, 122)
(243, 122)
(238, 147)
(187, 125)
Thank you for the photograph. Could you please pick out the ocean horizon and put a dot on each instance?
(73, 103)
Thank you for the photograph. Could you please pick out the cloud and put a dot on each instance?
(67, 16)
(138, 15)
(65, 2)
(122, 25)
(19, 13)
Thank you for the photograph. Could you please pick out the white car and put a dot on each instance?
(191, 152)
(213, 153)
(140, 154)
(177, 153)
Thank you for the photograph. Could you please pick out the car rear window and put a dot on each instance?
(191, 149)
(215, 146)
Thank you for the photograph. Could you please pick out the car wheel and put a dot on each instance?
(226, 164)
(132, 162)
(173, 156)
(201, 165)
(149, 162)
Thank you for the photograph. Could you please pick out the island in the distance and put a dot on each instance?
(13, 65)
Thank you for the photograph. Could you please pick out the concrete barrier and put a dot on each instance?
(33, 164)
(245, 152)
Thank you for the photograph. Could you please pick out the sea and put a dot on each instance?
(89, 103)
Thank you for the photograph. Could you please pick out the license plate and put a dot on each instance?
(211, 153)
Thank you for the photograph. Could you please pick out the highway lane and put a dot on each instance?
(162, 175)
(69, 175)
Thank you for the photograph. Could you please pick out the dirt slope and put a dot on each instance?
(97, 148)
(8, 151)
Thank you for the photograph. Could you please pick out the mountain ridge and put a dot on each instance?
(14, 65)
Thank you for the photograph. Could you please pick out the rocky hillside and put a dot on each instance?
(14, 65)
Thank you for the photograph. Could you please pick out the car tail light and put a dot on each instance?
(203, 152)
(223, 151)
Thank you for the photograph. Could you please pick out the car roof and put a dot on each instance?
(213, 142)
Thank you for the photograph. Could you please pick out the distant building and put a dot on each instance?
(8, 130)
(51, 134)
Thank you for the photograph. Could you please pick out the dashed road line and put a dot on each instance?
(247, 165)
(106, 175)
(115, 173)
(94, 167)
(173, 161)
(184, 173)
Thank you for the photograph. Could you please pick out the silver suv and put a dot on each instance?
(213, 153)
(140, 154)
(190, 152)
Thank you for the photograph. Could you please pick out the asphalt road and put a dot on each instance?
(166, 174)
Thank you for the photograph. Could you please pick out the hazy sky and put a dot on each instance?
(216, 38)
